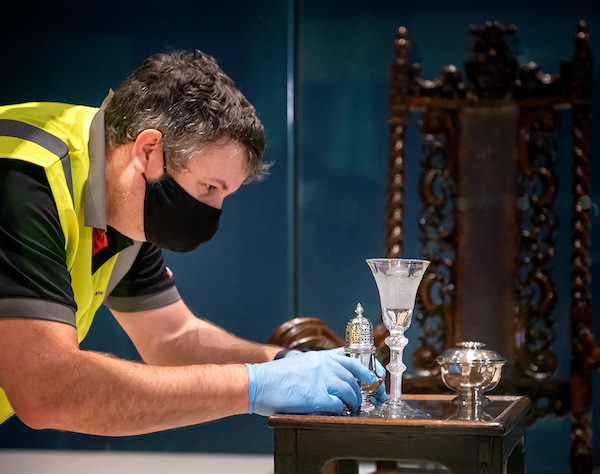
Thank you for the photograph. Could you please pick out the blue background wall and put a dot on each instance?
(296, 243)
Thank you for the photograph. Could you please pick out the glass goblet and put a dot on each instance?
(398, 280)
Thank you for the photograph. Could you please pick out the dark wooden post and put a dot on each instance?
(398, 116)
(581, 313)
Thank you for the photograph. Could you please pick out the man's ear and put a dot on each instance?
(147, 152)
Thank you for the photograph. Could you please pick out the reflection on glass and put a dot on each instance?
(446, 409)
(471, 412)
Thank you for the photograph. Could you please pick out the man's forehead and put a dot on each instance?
(222, 144)
(220, 162)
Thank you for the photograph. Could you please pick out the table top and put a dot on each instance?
(499, 415)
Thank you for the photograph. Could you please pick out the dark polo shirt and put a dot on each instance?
(34, 279)
(32, 246)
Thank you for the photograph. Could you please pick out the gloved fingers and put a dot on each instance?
(333, 405)
(343, 374)
(339, 351)
(359, 371)
(379, 369)
(380, 395)
(344, 368)
(346, 393)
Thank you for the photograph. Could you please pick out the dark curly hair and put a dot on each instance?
(192, 102)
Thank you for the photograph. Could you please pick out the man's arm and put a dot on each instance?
(172, 335)
(52, 384)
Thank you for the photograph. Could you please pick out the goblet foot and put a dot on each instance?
(471, 397)
(399, 409)
(367, 409)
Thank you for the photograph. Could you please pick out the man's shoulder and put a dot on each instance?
(50, 116)
(69, 123)
(50, 106)
(35, 112)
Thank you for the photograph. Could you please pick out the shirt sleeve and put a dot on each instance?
(34, 279)
(148, 284)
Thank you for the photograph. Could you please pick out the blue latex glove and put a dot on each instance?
(379, 396)
(309, 382)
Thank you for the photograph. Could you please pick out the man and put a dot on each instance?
(88, 198)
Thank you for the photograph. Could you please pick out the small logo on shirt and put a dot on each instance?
(98, 293)
(169, 272)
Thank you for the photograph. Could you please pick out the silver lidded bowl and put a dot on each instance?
(471, 371)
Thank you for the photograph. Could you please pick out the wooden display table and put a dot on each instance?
(491, 441)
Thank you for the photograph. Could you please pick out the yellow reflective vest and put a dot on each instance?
(60, 138)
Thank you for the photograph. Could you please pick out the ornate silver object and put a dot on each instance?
(471, 371)
(360, 345)
(359, 333)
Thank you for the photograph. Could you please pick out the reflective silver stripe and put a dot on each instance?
(95, 202)
(66, 163)
(33, 308)
(130, 304)
(25, 131)
(122, 265)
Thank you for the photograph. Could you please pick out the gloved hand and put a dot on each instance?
(377, 397)
(309, 382)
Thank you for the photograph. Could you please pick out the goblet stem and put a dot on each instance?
(396, 341)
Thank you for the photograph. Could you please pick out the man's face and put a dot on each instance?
(213, 174)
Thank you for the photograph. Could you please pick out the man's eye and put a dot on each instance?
(210, 187)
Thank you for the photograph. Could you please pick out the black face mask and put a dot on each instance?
(173, 219)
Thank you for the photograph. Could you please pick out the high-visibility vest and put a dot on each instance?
(56, 137)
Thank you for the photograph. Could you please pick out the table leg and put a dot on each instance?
(516, 460)
(285, 451)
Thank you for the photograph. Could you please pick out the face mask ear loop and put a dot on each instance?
(164, 166)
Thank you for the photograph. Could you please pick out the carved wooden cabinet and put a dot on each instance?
(489, 225)
(488, 186)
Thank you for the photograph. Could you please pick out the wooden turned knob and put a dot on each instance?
(305, 334)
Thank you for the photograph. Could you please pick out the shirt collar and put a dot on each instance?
(95, 198)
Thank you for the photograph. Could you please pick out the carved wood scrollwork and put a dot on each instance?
(535, 284)
(493, 68)
(438, 190)
(492, 76)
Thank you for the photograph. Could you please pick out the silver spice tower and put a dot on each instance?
(360, 345)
